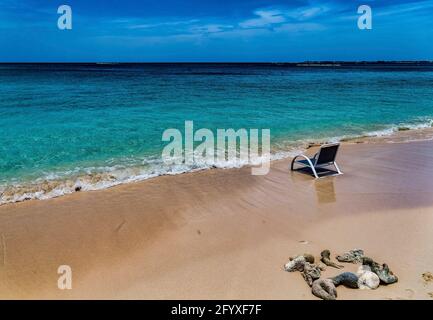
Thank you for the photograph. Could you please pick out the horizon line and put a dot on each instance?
(220, 62)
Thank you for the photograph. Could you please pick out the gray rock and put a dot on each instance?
(324, 289)
(383, 272)
(297, 263)
(353, 256)
(347, 279)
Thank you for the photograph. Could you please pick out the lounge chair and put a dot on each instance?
(321, 161)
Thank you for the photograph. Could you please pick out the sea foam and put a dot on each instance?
(56, 184)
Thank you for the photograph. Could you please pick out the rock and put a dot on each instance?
(322, 266)
(363, 268)
(309, 257)
(347, 279)
(324, 289)
(311, 272)
(367, 279)
(427, 276)
(353, 256)
(326, 259)
(384, 273)
(295, 264)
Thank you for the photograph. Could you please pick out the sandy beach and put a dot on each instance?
(225, 234)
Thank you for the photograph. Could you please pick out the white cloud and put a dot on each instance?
(161, 24)
(299, 27)
(404, 8)
(211, 28)
(265, 18)
(308, 13)
(271, 17)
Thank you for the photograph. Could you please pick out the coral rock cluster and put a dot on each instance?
(369, 276)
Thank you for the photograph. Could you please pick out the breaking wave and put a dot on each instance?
(57, 184)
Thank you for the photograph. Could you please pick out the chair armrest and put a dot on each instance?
(301, 156)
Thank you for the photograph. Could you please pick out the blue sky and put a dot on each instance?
(211, 30)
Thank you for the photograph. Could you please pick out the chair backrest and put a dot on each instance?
(327, 153)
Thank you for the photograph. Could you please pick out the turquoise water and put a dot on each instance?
(93, 126)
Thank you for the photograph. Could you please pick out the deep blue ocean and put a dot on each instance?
(92, 126)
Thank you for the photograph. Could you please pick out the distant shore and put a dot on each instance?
(281, 63)
(226, 234)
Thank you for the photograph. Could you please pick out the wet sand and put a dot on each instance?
(225, 234)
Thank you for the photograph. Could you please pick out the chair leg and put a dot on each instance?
(336, 167)
(293, 163)
(314, 171)
(310, 164)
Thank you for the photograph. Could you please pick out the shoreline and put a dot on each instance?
(67, 187)
(225, 234)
